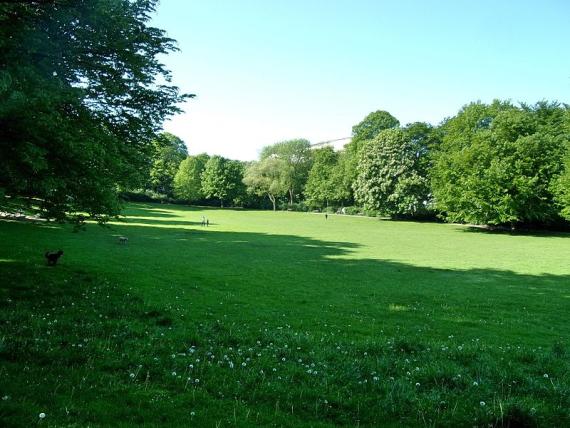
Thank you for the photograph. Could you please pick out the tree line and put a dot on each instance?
(83, 96)
(495, 164)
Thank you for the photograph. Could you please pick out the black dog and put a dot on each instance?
(53, 257)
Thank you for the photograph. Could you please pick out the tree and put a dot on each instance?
(322, 185)
(372, 125)
(297, 155)
(188, 180)
(270, 177)
(391, 177)
(367, 129)
(498, 164)
(168, 152)
(80, 101)
(222, 179)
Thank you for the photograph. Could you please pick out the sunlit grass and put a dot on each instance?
(282, 318)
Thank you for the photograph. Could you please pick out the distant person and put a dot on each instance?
(203, 221)
(207, 222)
(326, 216)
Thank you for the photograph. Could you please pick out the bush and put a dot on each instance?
(353, 210)
(146, 196)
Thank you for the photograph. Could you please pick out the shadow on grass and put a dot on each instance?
(191, 276)
(540, 233)
(306, 277)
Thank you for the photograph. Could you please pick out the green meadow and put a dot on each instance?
(282, 319)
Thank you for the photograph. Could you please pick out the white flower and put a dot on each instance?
(132, 375)
(475, 384)
(192, 413)
(482, 403)
(173, 373)
(545, 375)
(417, 384)
(197, 380)
(243, 364)
(42, 415)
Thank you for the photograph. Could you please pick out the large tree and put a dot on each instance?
(324, 184)
(269, 176)
(498, 163)
(222, 179)
(188, 180)
(297, 155)
(392, 176)
(372, 125)
(168, 153)
(366, 130)
(82, 95)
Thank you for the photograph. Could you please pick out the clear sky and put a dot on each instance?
(269, 70)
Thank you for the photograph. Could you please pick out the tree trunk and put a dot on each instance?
(221, 203)
(290, 196)
(272, 199)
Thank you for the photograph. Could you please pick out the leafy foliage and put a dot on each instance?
(188, 180)
(297, 157)
(497, 163)
(222, 179)
(392, 176)
(324, 183)
(168, 152)
(80, 101)
(372, 125)
(270, 177)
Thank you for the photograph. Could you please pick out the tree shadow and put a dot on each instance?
(516, 232)
(258, 275)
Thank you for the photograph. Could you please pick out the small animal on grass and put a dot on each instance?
(53, 257)
(123, 239)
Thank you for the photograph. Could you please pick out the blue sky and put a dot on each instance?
(268, 70)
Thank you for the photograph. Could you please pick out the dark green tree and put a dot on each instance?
(82, 95)
(323, 184)
(168, 153)
(222, 179)
(498, 164)
(372, 125)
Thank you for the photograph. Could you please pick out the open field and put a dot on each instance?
(282, 319)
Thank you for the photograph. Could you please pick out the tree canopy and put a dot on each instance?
(391, 175)
(269, 176)
(222, 178)
(324, 184)
(297, 157)
(82, 95)
(188, 180)
(498, 163)
(167, 154)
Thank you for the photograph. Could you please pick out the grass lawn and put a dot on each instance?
(282, 319)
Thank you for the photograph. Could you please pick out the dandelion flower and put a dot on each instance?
(42, 415)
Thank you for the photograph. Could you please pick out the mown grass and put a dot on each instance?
(282, 319)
